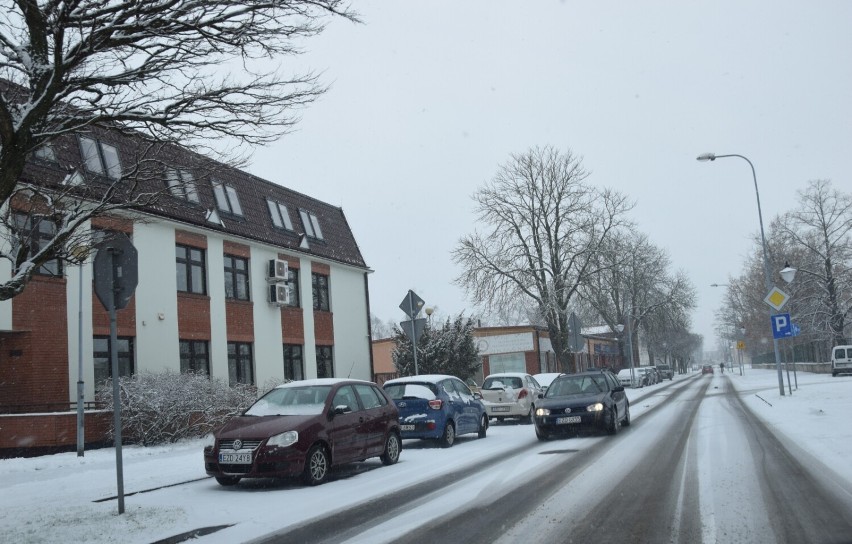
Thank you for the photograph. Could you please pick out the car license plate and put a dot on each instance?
(406, 427)
(500, 409)
(570, 419)
(235, 458)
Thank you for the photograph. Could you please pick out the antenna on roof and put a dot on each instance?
(350, 370)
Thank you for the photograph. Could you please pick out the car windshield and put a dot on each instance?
(291, 401)
(400, 391)
(502, 382)
(576, 385)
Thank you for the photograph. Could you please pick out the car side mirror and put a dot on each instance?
(338, 410)
(618, 389)
(477, 395)
(541, 395)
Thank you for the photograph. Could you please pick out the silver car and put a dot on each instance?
(510, 395)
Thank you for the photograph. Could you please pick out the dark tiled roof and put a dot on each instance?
(338, 243)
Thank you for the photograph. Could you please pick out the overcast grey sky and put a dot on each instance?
(428, 98)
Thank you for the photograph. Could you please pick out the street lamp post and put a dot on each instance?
(621, 328)
(767, 278)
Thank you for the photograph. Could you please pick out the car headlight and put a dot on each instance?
(284, 439)
(596, 407)
(542, 411)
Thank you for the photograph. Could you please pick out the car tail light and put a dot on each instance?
(436, 404)
(522, 394)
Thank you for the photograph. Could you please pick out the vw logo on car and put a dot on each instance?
(238, 444)
(567, 410)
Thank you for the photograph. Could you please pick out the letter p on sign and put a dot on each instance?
(781, 326)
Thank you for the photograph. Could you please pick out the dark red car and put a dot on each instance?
(707, 369)
(304, 428)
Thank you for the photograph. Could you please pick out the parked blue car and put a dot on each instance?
(437, 407)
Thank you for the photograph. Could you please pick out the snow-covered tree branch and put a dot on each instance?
(202, 74)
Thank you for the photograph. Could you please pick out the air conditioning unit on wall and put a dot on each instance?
(277, 270)
(279, 294)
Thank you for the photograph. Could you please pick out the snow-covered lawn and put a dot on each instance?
(51, 498)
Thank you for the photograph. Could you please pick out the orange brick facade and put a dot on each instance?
(34, 359)
(35, 407)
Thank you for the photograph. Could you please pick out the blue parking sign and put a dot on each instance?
(782, 326)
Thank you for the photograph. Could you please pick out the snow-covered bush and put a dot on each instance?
(168, 406)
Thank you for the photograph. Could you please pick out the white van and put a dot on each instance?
(841, 360)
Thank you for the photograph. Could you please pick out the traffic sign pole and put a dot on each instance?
(116, 400)
(116, 276)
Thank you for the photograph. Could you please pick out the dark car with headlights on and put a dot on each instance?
(304, 428)
(587, 401)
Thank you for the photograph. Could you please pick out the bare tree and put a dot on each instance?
(169, 71)
(635, 287)
(543, 226)
(819, 234)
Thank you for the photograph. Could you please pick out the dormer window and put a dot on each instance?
(100, 158)
(181, 184)
(226, 198)
(280, 215)
(311, 224)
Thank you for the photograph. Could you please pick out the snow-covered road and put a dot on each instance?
(693, 467)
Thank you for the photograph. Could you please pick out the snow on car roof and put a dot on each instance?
(510, 374)
(429, 378)
(319, 381)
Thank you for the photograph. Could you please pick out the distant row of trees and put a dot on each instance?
(815, 237)
(551, 243)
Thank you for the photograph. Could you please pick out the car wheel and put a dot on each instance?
(626, 421)
(500, 420)
(612, 424)
(834, 374)
(393, 445)
(483, 426)
(228, 480)
(544, 437)
(317, 465)
(449, 437)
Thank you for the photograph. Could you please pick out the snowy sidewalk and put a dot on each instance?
(815, 417)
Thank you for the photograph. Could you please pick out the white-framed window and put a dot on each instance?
(181, 184)
(507, 362)
(311, 224)
(226, 198)
(100, 158)
(280, 215)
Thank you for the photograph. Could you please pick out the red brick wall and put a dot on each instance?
(51, 430)
(292, 326)
(238, 250)
(113, 223)
(190, 239)
(193, 316)
(239, 316)
(34, 361)
(324, 328)
(125, 319)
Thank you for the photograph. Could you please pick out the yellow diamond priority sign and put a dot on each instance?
(776, 298)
